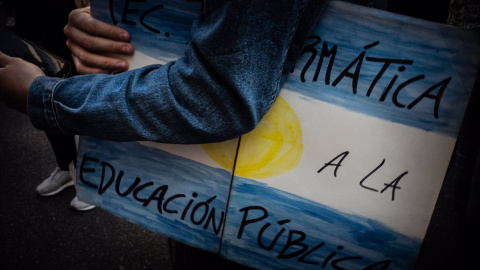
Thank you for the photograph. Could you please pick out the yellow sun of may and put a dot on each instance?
(273, 148)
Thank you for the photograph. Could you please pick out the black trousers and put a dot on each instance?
(63, 148)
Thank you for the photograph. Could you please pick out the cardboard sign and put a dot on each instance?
(342, 173)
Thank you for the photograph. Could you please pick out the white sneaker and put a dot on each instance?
(81, 205)
(56, 182)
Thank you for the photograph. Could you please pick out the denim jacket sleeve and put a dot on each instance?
(232, 71)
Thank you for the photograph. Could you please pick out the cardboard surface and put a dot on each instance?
(345, 169)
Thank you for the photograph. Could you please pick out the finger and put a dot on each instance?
(82, 19)
(84, 69)
(98, 44)
(102, 62)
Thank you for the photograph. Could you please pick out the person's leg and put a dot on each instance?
(65, 152)
(63, 148)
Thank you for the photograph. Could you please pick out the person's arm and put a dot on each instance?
(16, 76)
(231, 74)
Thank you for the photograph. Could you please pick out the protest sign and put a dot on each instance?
(342, 173)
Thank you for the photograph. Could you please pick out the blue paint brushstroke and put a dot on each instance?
(438, 52)
(181, 175)
(175, 18)
(359, 236)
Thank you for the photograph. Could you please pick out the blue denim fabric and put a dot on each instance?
(241, 51)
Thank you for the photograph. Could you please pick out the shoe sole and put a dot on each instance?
(69, 183)
(83, 209)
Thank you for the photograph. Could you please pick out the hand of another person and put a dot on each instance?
(16, 76)
(93, 42)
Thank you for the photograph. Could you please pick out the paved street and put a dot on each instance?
(43, 232)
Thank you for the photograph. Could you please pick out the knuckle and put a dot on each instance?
(81, 55)
(66, 30)
(106, 64)
(73, 16)
(90, 23)
(87, 42)
(112, 32)
(114, 47)
(78, 67)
